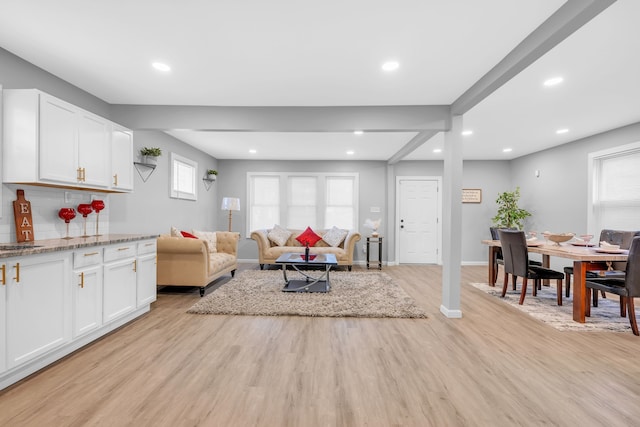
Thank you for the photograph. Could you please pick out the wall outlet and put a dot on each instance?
(364, 249)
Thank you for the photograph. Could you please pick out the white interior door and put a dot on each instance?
(418, 223)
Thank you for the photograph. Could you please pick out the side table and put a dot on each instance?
(379, 241)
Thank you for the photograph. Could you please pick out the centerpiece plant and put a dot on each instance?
(509, 214)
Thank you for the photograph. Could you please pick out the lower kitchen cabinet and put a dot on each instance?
(87, 300)
(146, 273)
(38, 302)
(56, 302)
(119, 295)
(3, 319)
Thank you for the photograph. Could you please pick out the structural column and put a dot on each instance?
(452, 220)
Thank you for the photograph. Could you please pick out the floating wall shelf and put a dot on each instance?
(144, 170)
(208, 182)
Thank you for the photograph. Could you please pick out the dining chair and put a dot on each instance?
(498, 257)
(627, 288)
(516, 263)
(614, 237)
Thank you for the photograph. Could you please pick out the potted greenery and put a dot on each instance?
(150, 155)
(211, 174)
(509, 214)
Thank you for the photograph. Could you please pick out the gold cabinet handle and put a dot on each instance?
(84, 174)
(79, 174)
(4, 274)
(17, 267)
(135, 265)
(115, 179)
(82, 280)
(124, 249)
(91, 254)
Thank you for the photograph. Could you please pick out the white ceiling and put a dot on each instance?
(329, 53)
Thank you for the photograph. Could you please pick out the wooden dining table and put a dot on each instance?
(584, 259)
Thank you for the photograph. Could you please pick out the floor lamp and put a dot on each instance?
(230, 204)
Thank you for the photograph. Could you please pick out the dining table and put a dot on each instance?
(584, 257)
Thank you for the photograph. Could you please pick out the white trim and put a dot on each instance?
(592, 159)
(451, 314)
(320, 195)
(175, 193)
(397, 213)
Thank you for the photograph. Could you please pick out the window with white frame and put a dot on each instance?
(300, 200)
(615, 192)
(183, 177)
(264, 201)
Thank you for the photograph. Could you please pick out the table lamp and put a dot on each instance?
(230, 204)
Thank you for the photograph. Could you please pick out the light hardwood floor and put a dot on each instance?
(494, 367)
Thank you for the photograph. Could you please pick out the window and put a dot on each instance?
(183, 177)
(264, 201)
(615, 189)
(299, 200)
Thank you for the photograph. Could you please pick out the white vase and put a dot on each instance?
(149, 160)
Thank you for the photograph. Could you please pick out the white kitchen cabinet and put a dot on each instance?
(38, 316)
(121, 158)
(48, 141)
(3, 318)
(53, 303)
(86, 284)
(94, 136)
(146, 273)
(119, 287)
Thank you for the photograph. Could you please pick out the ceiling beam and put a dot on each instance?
(410, 146)
(284, 119)
(565, 21)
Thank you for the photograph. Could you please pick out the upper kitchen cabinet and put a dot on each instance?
(121, 158)
(48, 141)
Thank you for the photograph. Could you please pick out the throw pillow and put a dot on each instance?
(175, 232)
(308, 237)
(210, 239)
(335, 236)
(188, 235)
(279, 235)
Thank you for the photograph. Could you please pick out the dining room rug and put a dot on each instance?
(544, 307)
(353, 294)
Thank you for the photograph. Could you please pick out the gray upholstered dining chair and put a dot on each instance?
(614, 237)
(516, 263)
(498, 257)
(627, 288)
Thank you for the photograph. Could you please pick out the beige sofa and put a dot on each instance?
(187, 262)
(268, 251)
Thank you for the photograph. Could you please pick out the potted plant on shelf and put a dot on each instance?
(149, 155)
(211, 174)
(509, 215)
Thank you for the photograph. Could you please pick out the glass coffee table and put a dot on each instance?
(320, 283)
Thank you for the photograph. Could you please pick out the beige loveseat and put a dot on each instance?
(268, 251)
(187, 262)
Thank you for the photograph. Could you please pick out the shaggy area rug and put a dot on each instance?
(353, 294)
(605, 317)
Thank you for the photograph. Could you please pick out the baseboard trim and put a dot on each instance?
(451, 314)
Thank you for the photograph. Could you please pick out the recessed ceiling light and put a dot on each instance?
(437, 150)
(467, 132)
(561, 131)
(350, 152)
(390, 66)
(507, 150)
(252, 151)
(160, 66)
(358, 132)
(553, 81)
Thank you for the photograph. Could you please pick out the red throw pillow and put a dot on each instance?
(188, 235)
(308, 237)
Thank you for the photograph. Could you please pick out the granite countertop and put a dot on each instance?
(53, 245)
